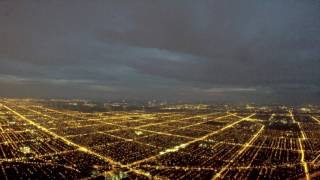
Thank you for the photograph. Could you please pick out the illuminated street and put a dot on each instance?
(159, 90)
(41, 141)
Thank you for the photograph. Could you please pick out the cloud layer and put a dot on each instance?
(259, 51)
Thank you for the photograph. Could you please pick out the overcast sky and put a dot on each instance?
(189, 50)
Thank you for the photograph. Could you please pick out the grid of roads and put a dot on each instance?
(41, 142)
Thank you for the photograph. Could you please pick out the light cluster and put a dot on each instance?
(38, 141)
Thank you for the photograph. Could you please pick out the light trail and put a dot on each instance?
(164, 133)
(18, 159)
(121, 117)
(302, 150)
(150, 124)
(318, 121)
(249, 166)
(238, 156)
(245, 147)
(68, 142)
(176, 120)
(260, 146)
(139, 127)
(214, 169)
(314, 118)
(121, 127)
(46, 164)
(184, 145)
(129, 140)
(305, 165)
(199, 123)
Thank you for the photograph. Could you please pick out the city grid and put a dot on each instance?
(41, 142)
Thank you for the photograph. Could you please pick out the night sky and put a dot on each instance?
(176, 50)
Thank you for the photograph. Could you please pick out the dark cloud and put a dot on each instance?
(182, 50)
